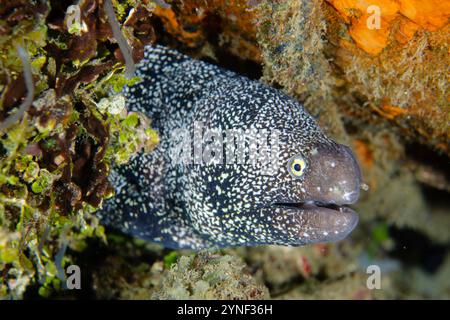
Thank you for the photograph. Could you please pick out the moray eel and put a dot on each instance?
(214, 205)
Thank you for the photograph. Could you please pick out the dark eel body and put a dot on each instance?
(299, 200)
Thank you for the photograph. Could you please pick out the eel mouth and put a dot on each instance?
(313, 205)
(323, 222)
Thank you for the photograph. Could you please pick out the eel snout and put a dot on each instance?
(334, 175)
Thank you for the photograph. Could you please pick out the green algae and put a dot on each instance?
(44, 207)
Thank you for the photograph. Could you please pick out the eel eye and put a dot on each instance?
(297, 166)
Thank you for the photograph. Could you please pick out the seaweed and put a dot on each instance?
(25, 105)
(64, 125)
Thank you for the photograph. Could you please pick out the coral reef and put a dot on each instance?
(126, 269)
(179, 275)
(383, 91)
(425, 285)
(208, 276)
(286, 267)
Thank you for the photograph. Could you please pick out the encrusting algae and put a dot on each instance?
(56, 156)
(384, 92)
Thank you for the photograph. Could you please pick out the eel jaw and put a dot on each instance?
(320, 222)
